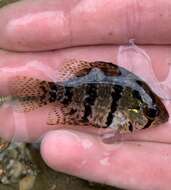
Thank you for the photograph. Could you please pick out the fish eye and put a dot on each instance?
(151, 112)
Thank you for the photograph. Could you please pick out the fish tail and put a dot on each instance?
(30, 93)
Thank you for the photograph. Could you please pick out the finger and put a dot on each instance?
(43, 65)
(160, 58)
(123, 165)
(43, 25)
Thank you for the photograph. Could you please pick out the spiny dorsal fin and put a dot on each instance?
(78, 68)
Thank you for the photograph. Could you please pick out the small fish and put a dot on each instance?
(98, 94)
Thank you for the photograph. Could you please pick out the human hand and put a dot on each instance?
(134, 164)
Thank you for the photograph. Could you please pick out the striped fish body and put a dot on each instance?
(98, 94)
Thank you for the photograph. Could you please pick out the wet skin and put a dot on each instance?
(141, 163)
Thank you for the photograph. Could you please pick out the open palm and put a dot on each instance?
(141, 162)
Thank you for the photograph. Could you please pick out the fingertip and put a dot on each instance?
(78, 154)
(63, 150)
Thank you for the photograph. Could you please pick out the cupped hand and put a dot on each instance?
(144, 161)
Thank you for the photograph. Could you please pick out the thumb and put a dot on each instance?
(123, 164)
(78, 154)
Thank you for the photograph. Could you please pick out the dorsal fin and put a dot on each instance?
(78, 68)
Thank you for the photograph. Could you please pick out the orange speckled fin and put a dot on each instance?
(27, 93)
(60, 115)
(27, 86)
(27, 104)
(78, 68)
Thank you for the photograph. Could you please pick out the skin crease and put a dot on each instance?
(141, 163)
(77, 22)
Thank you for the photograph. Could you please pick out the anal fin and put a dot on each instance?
(61, 115)
(66, 115)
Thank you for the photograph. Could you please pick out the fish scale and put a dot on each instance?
(99, 94)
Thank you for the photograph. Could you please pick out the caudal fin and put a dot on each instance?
(29, 93)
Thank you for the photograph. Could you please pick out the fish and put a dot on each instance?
(98, 94)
